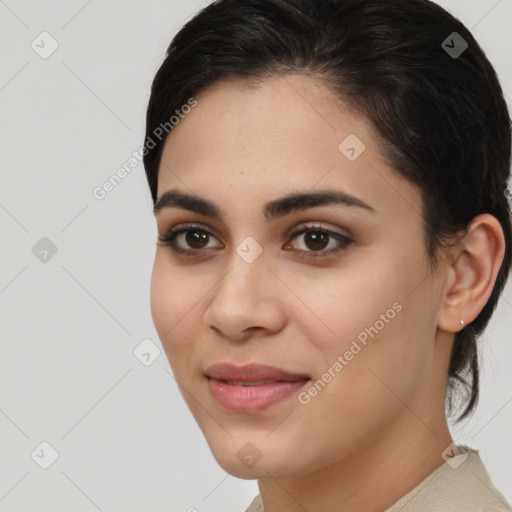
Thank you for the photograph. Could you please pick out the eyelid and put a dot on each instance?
(179, 228)
(343, 240)
(316, 225)
(183, 228)
(186, 226)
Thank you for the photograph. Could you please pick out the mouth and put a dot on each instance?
(254, 396)
(252, 372)
(252, 388)
(250, 383)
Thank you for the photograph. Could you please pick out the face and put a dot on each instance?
(337, 292)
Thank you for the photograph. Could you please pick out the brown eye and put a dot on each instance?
(193, 240)
(316, 239)
(188, 239)
(196, 238)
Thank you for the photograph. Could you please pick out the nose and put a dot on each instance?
(245, 301)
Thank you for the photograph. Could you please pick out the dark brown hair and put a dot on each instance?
(442, 117)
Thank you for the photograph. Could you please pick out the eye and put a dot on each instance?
(197, 238)
(317, 238)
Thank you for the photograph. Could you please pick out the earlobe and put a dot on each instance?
(472, 273)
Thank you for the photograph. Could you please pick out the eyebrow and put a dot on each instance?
(295, 201)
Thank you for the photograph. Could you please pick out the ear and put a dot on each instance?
(471, 273)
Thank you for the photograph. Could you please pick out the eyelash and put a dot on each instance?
(169, 240)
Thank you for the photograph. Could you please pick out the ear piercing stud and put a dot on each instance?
(462, 322)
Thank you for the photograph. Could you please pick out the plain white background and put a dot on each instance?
(69, 325)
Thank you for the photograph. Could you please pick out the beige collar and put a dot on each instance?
(462, 485)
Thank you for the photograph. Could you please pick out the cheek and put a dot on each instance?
(172, 303)
(365, 391)
(350, 305)
(161, 304)
(380, 329)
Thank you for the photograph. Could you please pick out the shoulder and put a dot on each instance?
(256, 505)
(459, 484)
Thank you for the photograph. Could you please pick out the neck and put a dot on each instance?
(373, 477)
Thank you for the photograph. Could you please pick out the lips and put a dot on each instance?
(253, 387)
(252, 374)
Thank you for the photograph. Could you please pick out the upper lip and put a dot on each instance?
(251, 372)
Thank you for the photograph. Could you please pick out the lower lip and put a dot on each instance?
(252, 398)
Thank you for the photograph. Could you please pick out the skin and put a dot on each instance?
(378, 427)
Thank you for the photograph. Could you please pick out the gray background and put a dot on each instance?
(69, 324)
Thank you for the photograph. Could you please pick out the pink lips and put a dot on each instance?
(252, 387)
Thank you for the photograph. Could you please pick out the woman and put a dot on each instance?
(329, 183)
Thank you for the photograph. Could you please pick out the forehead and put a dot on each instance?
(259, 141)
(278, 111)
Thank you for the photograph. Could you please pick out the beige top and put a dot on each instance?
(466, 488)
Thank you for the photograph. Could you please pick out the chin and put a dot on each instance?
(260, 469)
(249, 460)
